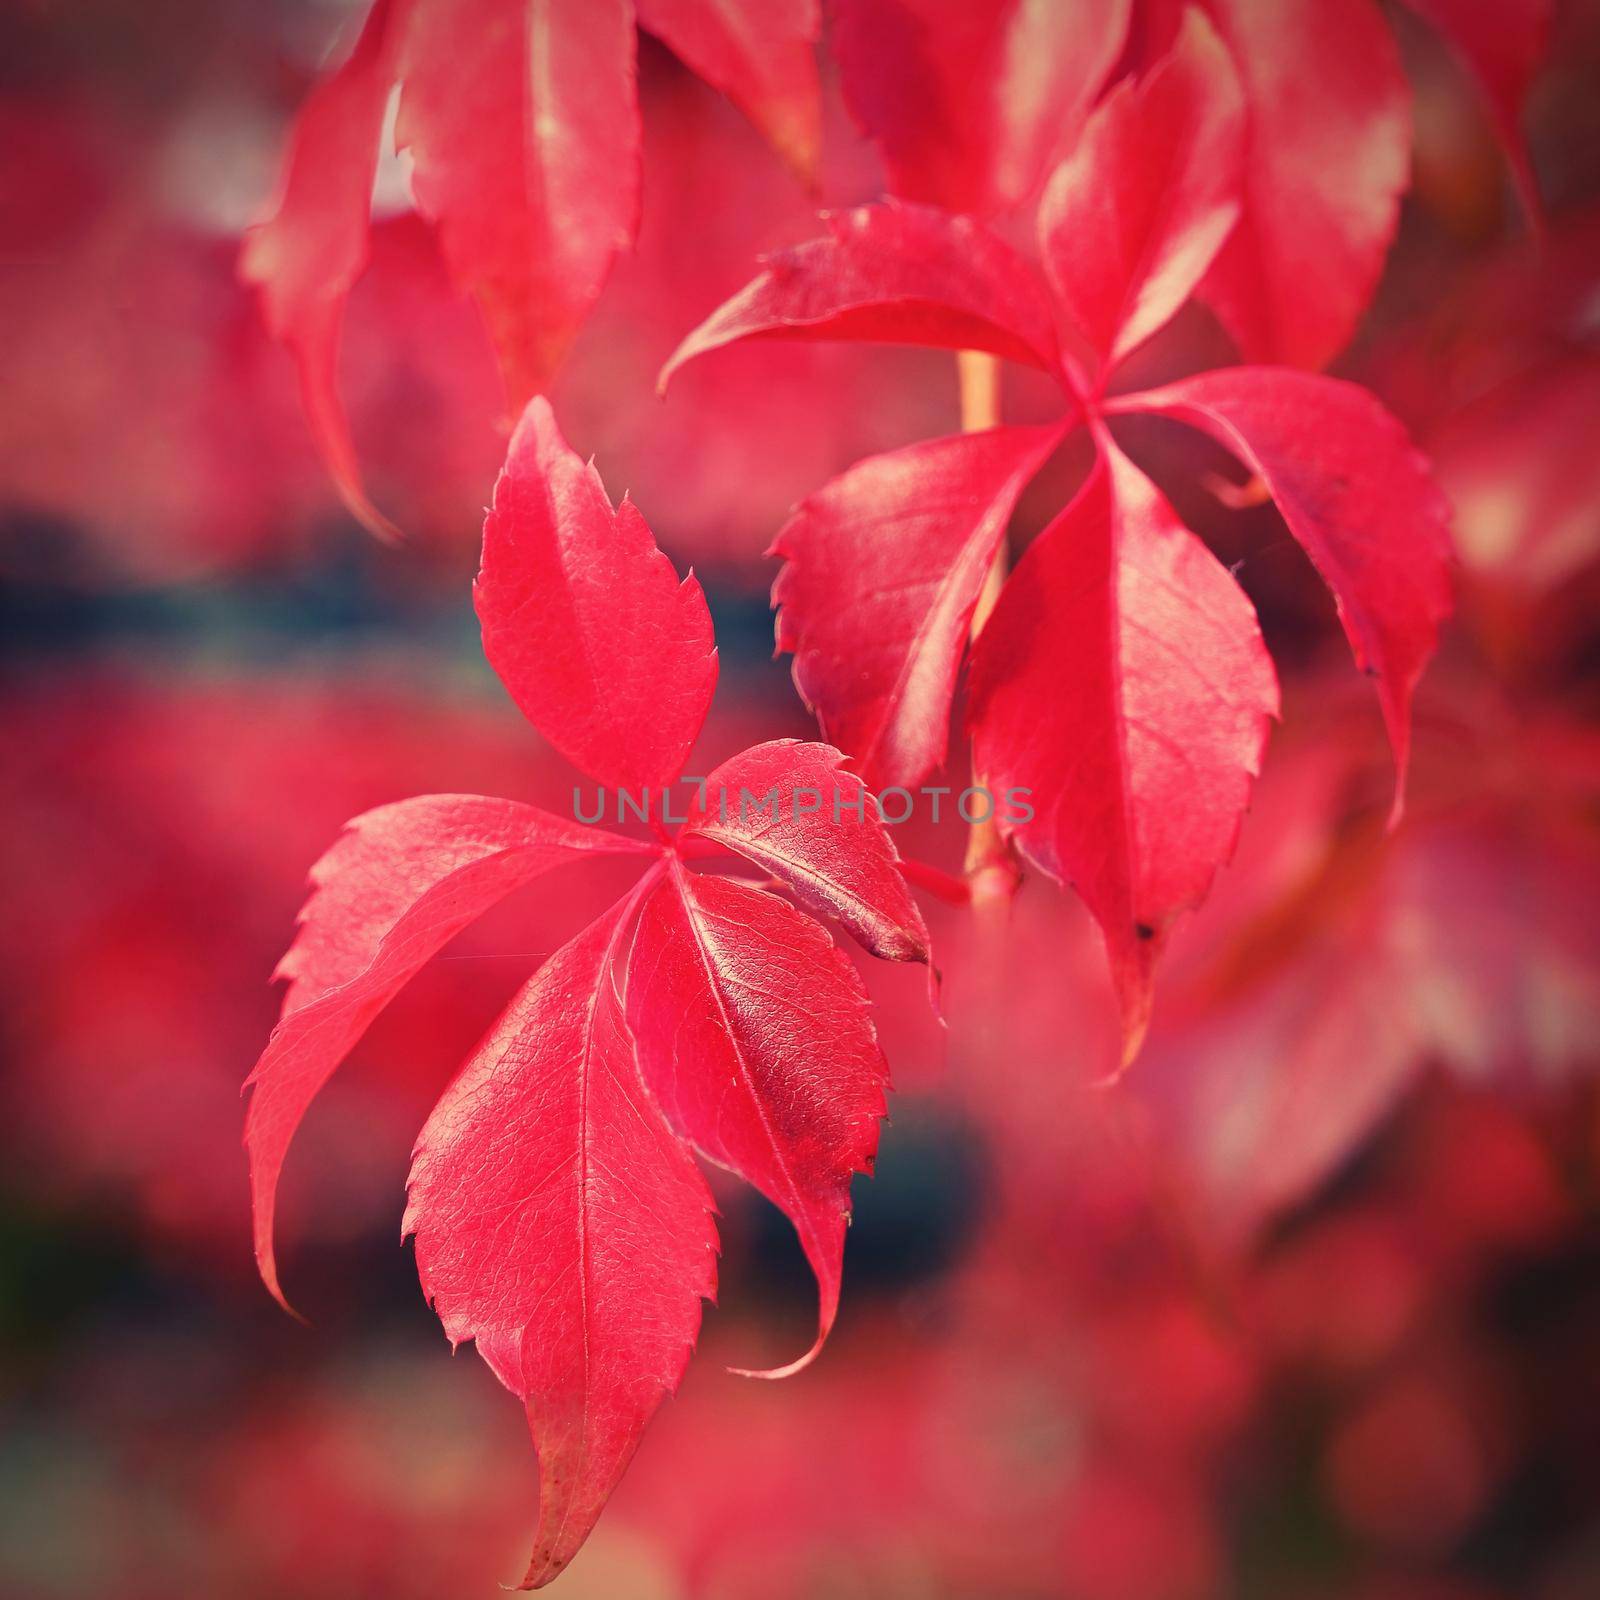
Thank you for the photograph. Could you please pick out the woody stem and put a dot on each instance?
(991, 872)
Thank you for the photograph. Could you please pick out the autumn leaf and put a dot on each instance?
(1141, 773)
(522, 121)
(1359, 498)
(1133, 217)
(561, 1227)
(1326, 160)
(758, 53)
(579, 607)
(971, 103)
(1503, 46)
(755, 1039)
(308, 256)
(882, 569)
(560, 1221)
(1462, 941)
(1126, 684)
(890, 274)
(811, 826)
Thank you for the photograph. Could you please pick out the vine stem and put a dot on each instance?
(990, 866)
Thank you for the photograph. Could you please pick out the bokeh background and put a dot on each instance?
(1309, 1307)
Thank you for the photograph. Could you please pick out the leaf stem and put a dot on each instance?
(990, 865)
(936, 881)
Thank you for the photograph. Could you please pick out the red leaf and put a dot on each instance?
(1123, 682)
(308, 255)
(560, 1224)
(758, 53)
(1359, 498)
(1326, 159)
(522, 119)
(609, 656)
(836, 855)
(1519, 466)
(1503, 43)
(1464, 941)
(755, 1039)
(890, 274)
(969, 100)
(883, 570)
(1130, 222)
(400, 884)
(885, 564)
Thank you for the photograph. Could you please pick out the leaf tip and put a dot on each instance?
(1397, 806)
(1134, 977)
(789, 1369)
(267, 1267)
(669, 368)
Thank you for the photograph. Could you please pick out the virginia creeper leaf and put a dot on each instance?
(308, 255)
(1503, 43)
(584, 619)
(755, 1039)
(760, 54)
(397, 887)
(812, 824)
(1132, 219)
(523, 123)
(1356, 494)
(882, 571)
(890, 274)
(969, 100)
(1464, 941)
(1326, 158)
(1519, 466)
(559, 1218)
(562, 1226)
(1122, 680)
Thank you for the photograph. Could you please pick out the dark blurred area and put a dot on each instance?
(1307, 1308)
